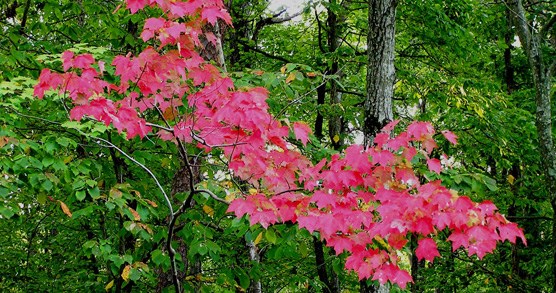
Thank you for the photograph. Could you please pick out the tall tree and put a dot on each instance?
(380, 67)
(538, 40)
(380, 77)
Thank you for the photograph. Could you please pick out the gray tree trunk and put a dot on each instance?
(380, 67)
(531, 37)
(380, 78)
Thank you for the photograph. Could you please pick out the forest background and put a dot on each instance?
(79, 215)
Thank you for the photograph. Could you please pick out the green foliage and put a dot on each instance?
(450, 70)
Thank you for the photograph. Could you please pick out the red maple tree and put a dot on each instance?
(367, 202)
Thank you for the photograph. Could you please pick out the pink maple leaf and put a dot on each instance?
(427, 249)
(136, 5)
(419, 129)
(390, 126)
(401, 140)
(450, 136)
(241, 207)
(47, 80)
(510, 232)
(83, 61)
(357, 159)
(309, 222)
(212, 14)
(339, 243)
(301, 131)
(423, 226)
(458, 240)
(434, 165)
(264, 218)
(401, 278)
(381, 139)
(324, 199)
(152, 25)
(67, 60)
(382, 158)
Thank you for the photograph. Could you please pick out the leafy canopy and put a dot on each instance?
(367, 202)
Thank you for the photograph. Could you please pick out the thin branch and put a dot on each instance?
(214, 196)
(545, 218)
(548, 26)
(280, 58)
(111, 145)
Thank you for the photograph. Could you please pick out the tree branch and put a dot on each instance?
(280, 58)
(548, 26)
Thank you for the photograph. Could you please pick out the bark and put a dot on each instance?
(335, 120)
(531, 41)
(321, 265)
(254, 287)
(508, 67)
(214, 52)
(380, 79)
(319, 121)
(380, 67)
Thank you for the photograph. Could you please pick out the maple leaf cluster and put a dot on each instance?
(366, 202)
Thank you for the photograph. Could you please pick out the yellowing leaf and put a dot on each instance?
(230, 197)
(152, 203)
(41, 198)
(381, 241)
(68, 159)
(65, 208)
(290, 77)
(462, 90)
(170, 113)
(125, 273)
(336, 138)
(109, 286)
(208, 210)
(258, 239)
(311, 74)
(252, 191)
(283, 69)
(136, 216)
(145, 227)
(511, 179)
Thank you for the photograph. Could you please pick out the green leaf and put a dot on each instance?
(46, 185)
(244, 280)
(94, 192)
(80, 195)
(270, 235)
(159, 258)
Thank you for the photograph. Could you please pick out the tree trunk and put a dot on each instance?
(531, 40)
(380, 67)
(335, 120)
(380, 78)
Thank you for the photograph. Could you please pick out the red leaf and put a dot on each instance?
(241, 207)
(510, 232)
(301, 131)
(212, 14)
(459, 239)
(390, 126)
(339, 243)
(427, 249)
(136, 5)
(434, 165)
(451, 137)
(419, 129)
(67, 60)
(324, 199)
